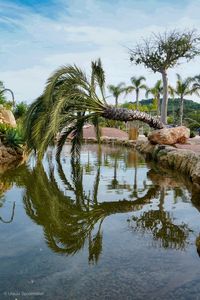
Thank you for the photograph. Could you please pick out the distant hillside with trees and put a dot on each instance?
(189, 105)
(191, 111)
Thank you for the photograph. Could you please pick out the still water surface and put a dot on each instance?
(111, 226)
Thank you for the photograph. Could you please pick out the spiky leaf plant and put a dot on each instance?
(70, 100)
(11, 137)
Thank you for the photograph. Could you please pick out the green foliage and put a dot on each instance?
(136, 85)
(117, 90)
(68, 102)
(189, 105)
(170, 120)
(192, 120)
(11, 137)
(129, 105)
(20, 110)
(151, 106)
(156, 91)
(184, 88)
(192, 134)
(113, 123)
(163, 51)
(3, 128)
(196, 81)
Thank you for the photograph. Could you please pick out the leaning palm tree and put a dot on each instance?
(137, 86)
(156, 91)
(116, 91)
(184, 88)
(68, 102)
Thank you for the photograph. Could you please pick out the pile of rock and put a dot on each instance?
(160, 148)
(185, 161)
(170, 136)
(9, 157)
(7, 117)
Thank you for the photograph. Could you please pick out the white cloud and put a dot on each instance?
(37, 45)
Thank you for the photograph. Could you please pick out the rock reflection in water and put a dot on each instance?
(73, 218)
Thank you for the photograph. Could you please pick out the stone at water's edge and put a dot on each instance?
(7, 117)
(170, 136)
(185, 161)
(10, 158)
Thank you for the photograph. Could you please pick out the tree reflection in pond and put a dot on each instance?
(72, 215)
(160, 224)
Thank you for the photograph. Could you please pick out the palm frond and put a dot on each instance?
(98, 75)
(95, 121)
(77, 137)
(129, 89)
(62, 139)
(67, 96)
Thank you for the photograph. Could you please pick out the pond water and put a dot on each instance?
(110, 226)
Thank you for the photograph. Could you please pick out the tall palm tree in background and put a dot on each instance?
(171, 92)
(116, 91)
(156, 91)
(136, 85)
(184, 88)
(196, 82)
(69, 102)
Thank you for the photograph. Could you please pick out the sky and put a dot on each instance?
(37, 37)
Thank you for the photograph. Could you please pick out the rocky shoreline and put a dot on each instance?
(10, 157)
(185, 161)
(155, 148)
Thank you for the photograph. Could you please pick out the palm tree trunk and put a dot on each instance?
(127, 115)
(165, 98)
(116, 101)
(181, 111)
(137, 99)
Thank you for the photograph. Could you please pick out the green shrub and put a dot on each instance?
(3, 128)
(20, 110)
(192, 134)
(11, 137)
(170, 120)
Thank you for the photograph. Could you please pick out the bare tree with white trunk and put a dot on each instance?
(161, 52)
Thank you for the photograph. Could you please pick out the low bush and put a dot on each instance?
(11, 137)
(192, 134)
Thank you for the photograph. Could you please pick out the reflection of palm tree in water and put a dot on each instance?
(11, 217)
(114, 183)
(69, 222)
(71, 218)
(160, 224)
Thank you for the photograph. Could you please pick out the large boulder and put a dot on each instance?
(7, 117)
(10, 157)
(170, 136)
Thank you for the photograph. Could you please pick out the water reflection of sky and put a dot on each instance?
(111, 226)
